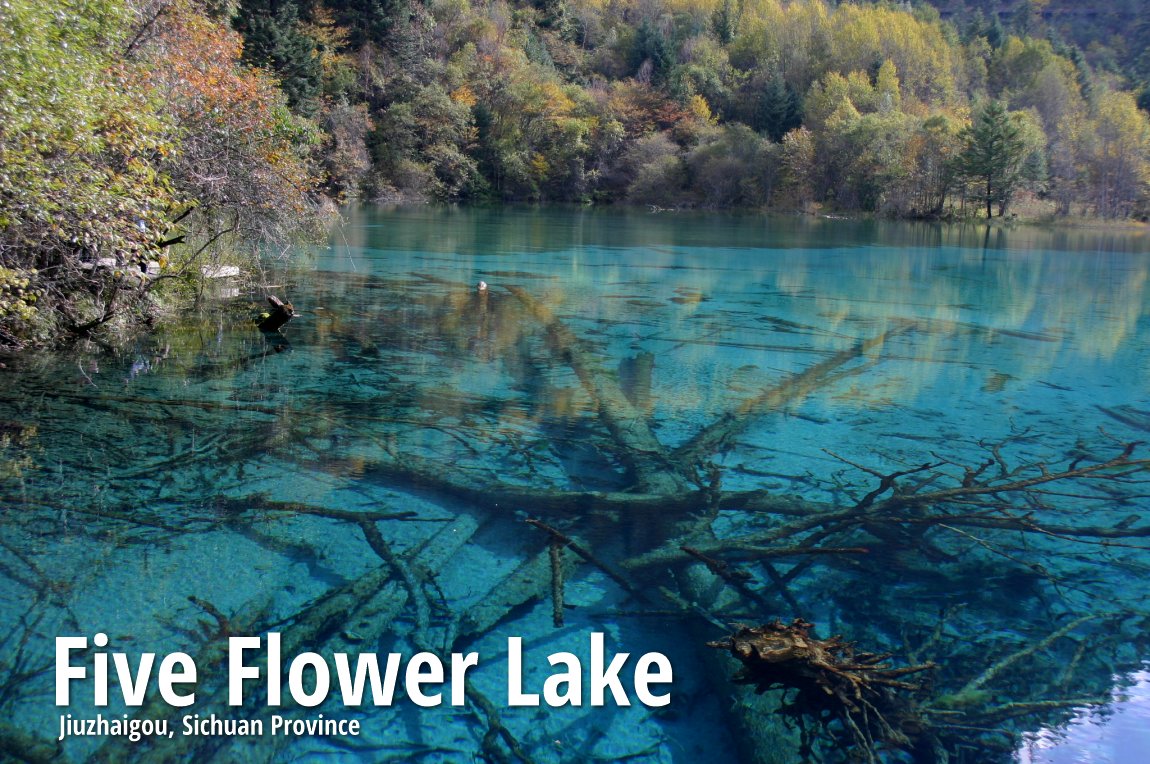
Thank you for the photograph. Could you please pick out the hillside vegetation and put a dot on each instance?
(714, 103)
(132, 138)
(140, 135)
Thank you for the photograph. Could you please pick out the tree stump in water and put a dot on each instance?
(833, 682)
(280, 314)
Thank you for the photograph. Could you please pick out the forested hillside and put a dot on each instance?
(861, 107)
(1113, 35)
(134, 134)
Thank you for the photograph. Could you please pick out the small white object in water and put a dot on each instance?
(482, 286)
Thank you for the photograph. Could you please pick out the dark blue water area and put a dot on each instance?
(747, 387)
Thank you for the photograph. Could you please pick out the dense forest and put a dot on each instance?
(137, 135)
(863, 107)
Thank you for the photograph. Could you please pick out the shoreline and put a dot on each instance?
(1044, 219)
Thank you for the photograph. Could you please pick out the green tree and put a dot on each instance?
(78, 185)
(992, 154)
(732, 168)
(1117, 155)
(651, 56)
(725, 21)
(419, 146)
(111, 133)
(770, 107)
(371, 22)
(798, 164)
(273, 40)
(932, 152)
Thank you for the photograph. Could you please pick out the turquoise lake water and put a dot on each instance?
(360, 484)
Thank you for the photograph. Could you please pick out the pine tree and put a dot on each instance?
(778, 109)
(725, 21)
(993, 153)
(375, 22)
(995, 34)
(273, 40)
(651, 47)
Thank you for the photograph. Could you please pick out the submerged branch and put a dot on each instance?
(718, 435)
(566, 541)
(986, 676)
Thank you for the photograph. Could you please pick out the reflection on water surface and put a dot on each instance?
(1117, 733)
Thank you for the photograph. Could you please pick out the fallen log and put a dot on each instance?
(355, 613)
(280, 314)
(641, 452)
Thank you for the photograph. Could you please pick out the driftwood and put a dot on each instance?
(280, 314)
(639, 449)
(565, 541)
(555, 550)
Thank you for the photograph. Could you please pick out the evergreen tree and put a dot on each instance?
(1138, 43)
(725, 21)
(651, 46)
(369, 21)
(974, 27)
(992, 154)
(995, 34)
(1023, 20)
(486, 152)
(770, 107)
(554, 14)
(1083, 74)
(273, 40)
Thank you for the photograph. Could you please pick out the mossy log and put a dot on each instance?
(280, 314)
